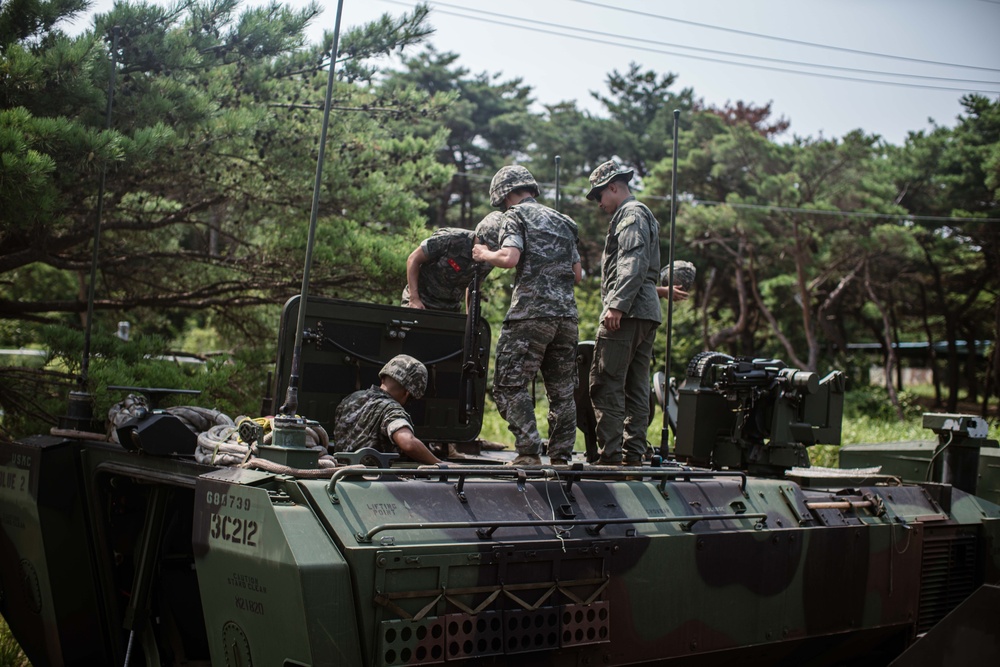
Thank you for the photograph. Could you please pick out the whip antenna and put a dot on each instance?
(558, 207)
(291, 403)
(85, 365)
(80, 411)
(665, 433)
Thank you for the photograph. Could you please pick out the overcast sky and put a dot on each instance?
(828, 66)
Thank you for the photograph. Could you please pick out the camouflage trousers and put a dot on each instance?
(619, 389)
(524, 347)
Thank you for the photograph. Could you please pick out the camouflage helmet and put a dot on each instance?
(510, 178)
(408, 372)
(684, 273)
(488, 230)
(604, 174)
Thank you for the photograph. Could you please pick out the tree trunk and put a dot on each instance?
(890, 353)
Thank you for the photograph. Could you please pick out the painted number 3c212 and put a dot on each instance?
(233, 529)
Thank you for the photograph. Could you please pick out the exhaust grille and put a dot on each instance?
(948, 575)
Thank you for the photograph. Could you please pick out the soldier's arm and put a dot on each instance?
(504, 258)
(411, 446)
(664, 293)
(577, 273)
(413, 263)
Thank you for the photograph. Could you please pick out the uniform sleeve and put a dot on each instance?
(434, 246)
(633, 236)
(394, 419)
(511, 231)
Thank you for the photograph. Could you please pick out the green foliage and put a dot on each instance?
(11, 654)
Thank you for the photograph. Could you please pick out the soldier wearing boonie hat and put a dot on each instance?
(375, 417)
(540, 329)
(439, 270)
(630, 270)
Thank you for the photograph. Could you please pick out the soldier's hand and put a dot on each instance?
(479, 251)
(613, 320)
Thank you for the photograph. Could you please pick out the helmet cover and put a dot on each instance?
(408, 372)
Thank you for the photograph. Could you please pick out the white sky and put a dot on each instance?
(922, 55)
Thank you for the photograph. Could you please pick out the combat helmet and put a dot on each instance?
(488, 230)
(605, 173)
(684, 274)
(408, 372)
(509, 178)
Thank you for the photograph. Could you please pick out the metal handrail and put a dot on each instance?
(594, 525)
(522, 474)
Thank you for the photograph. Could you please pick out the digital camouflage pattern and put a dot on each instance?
(368, 418)
(509, 178)
(544, 280)
(604, 174)
(630, 262)
(488, 231)
(524, 348)
(684, 275)
(407, 371)
(448, 270)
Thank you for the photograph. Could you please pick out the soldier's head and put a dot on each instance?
(406, 372)
(609, 185)
(488, 230)
(512, 178)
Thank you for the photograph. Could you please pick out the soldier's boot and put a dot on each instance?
(526, 460)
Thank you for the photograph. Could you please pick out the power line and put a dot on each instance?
(784, 39)
(631, 46)
(730, 53)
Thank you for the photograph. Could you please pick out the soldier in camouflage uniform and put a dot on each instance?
(540, 329)
(439, 270)
(630, 271)
(375, 417)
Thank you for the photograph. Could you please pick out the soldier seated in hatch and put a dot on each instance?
(375, 417)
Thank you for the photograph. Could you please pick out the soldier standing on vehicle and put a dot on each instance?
(439, 270)
(630, 272)
(375, 417)
(540, 329)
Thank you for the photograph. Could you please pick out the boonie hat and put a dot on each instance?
(606, 173)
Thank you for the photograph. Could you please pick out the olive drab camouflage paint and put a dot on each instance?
(106, 551)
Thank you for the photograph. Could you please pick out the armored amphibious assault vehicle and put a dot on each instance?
(132, 542)
(727, 550)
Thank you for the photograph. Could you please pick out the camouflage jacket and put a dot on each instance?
(630, 265)
(547, 239)
(368, 418)
(448, 270)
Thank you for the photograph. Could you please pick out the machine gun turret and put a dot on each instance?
(756, 415)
